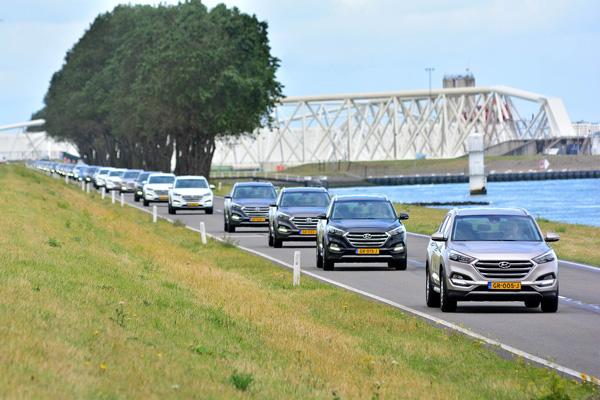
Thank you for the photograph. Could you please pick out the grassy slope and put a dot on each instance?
(194, 318)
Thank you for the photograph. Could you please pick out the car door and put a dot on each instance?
(436, 249)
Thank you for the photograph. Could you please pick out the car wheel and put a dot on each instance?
(136, 199)
(550, 305)
(225, 228)
(532, 303)
(398, 265)
(319, 258)
(171, 211)
(277, 243)
(446, 304)
(146, 203)
(270, 239)
(432, 298)
(230, 228)
(327, 264)
(209, 210)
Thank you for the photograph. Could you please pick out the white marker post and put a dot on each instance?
(82, 186)
(113, 196)
(154, 214)
(296, 268)
(103, 192)
(203, 232)
(87, 188)
(122, 199)
(67, 179)
(219, 186)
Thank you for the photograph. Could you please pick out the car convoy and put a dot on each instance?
(477, 254)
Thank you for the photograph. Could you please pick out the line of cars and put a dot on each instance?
(190, 192)
(477, 254)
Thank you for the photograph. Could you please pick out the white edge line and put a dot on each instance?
(491, 342)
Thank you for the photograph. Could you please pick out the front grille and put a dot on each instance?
(190, 197)
(305, 222)
(161, 192)
(516, 270)
(367, 239)
(256, 211)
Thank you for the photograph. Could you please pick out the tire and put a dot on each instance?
(171, 210)
(230, 228)
(532, 303)
(432, 298)
(550, 305)
(277, 243)
(319, 258)
(398, 265)
(446, 303)
(208, 210)
(270, 239)
(225, 228)
(146, 203)
(136, 199)
(327, 264)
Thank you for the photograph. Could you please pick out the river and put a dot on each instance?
(575, 201)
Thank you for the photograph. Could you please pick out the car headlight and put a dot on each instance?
(399, 230)
(281, 215)
(176, 194)
(544, 258)
(335, 231)
(460, 257)
(236, 206)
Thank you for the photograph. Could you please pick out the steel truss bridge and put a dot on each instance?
(395, 126)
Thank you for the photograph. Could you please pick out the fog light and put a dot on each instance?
(235, 217)
(149, 196)
(334, 247)
(547, 280)
(177, 202)
(208, 202)
(459, 282)
(282, 229)
(399, 249)
(140, 193)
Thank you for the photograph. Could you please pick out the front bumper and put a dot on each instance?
(239, 219)
(191, 205)
(391, 251)
(288, 233)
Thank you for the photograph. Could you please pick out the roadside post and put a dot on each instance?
(82, 186)
(203, 232)
(296, 268)
(122, 199)
(154, 214)
(113, 196)
(219, 186)
(103, 192)
(67, 179)
(87, 188)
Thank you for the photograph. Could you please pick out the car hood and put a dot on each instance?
(159, 186)
(253, 202)
(192, 191)
(506, 250)
(302, 211)
(365, 225)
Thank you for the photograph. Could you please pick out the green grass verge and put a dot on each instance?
(99, 302)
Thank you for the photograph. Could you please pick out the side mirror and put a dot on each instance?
(438, 237)
(403, 216)
(551, 237)
(227, 196)
(211, 186)
(272, 204)
(322, 216)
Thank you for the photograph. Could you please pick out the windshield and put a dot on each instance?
(254, 192)
(191, 184)
(305, 199)
(132, 174)
(495, 228)
(161, 179)
(364, 209)
(103, 171)
(116, 173)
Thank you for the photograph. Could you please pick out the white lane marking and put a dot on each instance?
(492, 342)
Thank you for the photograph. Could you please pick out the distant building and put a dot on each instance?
(457, 81)
(586, 128)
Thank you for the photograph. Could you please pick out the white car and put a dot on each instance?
(113, 180)
(157, 188)
(191, 193)
(100, 176)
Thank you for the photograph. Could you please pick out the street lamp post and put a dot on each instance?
(430, 70)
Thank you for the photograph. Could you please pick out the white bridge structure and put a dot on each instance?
(19, 144)
(394, 126)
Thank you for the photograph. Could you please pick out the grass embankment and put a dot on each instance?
(99, 302)
(577, 242)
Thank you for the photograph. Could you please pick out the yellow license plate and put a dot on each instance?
(256, 219)
(504, 285)
(193, 204)
(309, 232)
(367, 251)
(163, 198)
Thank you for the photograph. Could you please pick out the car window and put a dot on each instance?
(305, 199)
(191, 183)
(495, 228)
(254, 192)
(131, 174)
(369, 209)
(161, 179)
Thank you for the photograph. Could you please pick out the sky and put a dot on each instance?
(550, 47)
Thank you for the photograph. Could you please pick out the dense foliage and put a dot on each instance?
(144, 82)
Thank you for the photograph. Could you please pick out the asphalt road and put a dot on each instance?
(570, 337)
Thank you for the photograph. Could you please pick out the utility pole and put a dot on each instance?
(430, 70)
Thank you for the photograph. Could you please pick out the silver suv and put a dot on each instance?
(491, 254)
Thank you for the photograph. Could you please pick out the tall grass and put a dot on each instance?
(125, 308)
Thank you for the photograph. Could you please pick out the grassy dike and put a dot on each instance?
(96, 301)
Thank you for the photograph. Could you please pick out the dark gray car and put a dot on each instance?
(248, 205)
(294, 216)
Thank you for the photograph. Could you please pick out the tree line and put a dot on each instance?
(144, 82)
